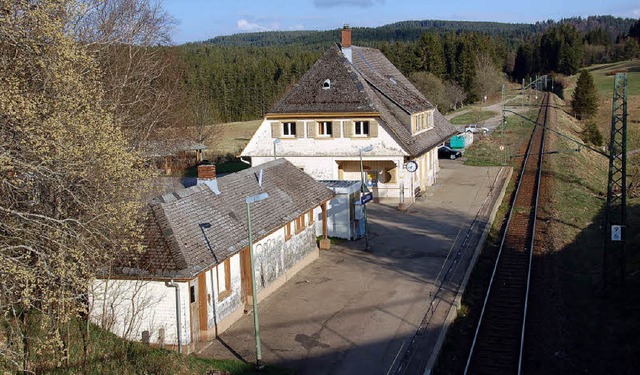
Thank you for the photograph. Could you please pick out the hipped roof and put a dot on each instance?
(371, 84)
(192, 229)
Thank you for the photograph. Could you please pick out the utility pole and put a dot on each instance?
(613, 266)
(504, 94)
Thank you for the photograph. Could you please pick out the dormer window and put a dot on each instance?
(327, 84)
(421, 121)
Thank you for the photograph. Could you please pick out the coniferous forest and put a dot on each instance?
(239, 77)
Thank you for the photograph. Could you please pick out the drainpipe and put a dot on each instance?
(177, 288)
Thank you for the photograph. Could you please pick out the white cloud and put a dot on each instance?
(245, 25)
(353, 3)
(297, 27)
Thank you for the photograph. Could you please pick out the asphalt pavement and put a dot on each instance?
(383, 311)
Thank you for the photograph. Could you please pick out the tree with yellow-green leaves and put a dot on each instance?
(69, 183)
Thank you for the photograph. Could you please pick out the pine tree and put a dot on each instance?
(431, 53)
(584, 101)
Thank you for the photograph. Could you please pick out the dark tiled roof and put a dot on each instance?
(380, 73)
(194, 228)
(371, 84)
(347, 93)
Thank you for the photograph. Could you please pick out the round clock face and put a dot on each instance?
(411, 166)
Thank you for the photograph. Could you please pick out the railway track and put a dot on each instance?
(498, 342)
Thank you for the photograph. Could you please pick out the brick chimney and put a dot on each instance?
(206, 172)
(346, 43)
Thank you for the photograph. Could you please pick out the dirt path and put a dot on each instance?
(492, 122)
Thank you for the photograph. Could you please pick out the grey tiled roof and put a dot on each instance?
(194, 228)
(371, 84)
(347, 93)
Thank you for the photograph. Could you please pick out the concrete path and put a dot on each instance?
(353, 312)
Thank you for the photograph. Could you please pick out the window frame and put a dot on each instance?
(226, 292)
(325, 129)
(287, 231)
(310, 219)
(299, 224)
(364, 127)
(288, 129)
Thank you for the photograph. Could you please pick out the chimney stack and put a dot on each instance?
(346, 36)
(346, 43)
(206, 172)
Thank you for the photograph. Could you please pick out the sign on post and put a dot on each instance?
(616, 233)
(366, 197)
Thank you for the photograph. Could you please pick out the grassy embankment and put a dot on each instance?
(109, 354)
(588, 329)
(474, 116)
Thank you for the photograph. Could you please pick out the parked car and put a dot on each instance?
(476, 129)
(446, 152)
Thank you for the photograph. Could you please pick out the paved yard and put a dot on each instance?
(357, 312)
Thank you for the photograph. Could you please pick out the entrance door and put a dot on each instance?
(198, 306)
(245, 279)
(203, 303)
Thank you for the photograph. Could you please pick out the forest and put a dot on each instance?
(239, 77)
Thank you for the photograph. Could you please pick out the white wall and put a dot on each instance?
(261, 144)
(133, 306)
(219, 310)
(318, 156)
(130, 307)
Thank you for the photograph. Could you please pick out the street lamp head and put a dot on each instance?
(366, 149)
(276, 141)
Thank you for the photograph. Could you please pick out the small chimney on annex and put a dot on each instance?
(206, 172)
(346, 43)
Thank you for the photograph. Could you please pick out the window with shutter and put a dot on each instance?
(289, 129)
(361, 129)
(325, 129)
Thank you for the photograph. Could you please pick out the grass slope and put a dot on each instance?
(574, 326)
(230, 138)
(472, 117)
(109, 354)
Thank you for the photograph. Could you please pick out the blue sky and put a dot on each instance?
(204, 19)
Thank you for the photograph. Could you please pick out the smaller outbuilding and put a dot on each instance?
(193, 279)
(344, 211)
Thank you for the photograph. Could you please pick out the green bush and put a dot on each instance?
(591, 134)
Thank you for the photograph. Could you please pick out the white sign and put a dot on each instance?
(616, 233)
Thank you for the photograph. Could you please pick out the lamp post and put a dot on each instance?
(364, 206)
(254, 297)
(275, 142)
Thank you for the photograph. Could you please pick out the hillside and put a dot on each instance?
(410, 31)
(576, 324)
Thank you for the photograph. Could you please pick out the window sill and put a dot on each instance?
(422, 131)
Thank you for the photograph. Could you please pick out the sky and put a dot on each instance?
(199, 20)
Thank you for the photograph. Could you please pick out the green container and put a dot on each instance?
(457, 141)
